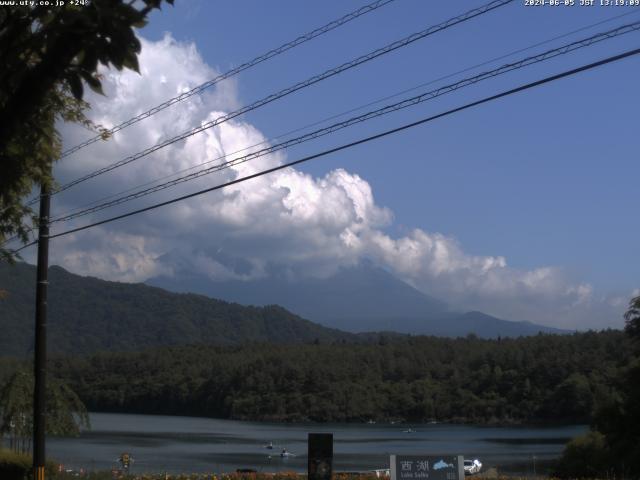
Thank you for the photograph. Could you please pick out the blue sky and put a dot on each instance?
(548, 177)
(524, 208)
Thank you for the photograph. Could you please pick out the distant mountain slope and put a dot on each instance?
(363, 298)
(87, 314)
(363, 291)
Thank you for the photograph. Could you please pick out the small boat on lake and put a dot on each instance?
(285, 454)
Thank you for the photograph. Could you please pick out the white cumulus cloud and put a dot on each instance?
(289, 219)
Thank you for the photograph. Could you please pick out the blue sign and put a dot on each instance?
(426, 467)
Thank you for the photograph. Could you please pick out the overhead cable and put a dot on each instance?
(251, 63)
(298, 86)
(423, 97)
(407, 126)
(343, 113)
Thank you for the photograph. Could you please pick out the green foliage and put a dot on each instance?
(632, 317)
(65, 412)
(332, 376)
(586, 456)
(88, 315)
(17, 411)
(619, 420)
(572, 399)
(612, 448)
(406, 378)
(14, 466)
(18, 466)
(47, 52)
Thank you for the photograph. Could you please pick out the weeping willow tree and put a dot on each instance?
(65, 412)
(633, 318)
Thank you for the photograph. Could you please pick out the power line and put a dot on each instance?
(486, 62)
(200, 88)
(346, 112)
(251, 63)
(512, 91)
(531, 60)
(298, 86)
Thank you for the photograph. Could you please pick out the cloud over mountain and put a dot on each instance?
(289, 220)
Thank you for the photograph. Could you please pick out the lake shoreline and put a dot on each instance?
(493, 422)
(177, 444)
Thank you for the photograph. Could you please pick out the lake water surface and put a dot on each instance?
(189, 444)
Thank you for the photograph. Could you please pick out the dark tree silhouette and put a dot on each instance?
(46, 53)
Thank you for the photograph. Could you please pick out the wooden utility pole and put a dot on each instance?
(40, 364)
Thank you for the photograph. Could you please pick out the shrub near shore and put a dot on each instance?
(255, 476)
(18, 466)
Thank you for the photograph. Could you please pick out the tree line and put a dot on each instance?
(611, 448)
(591, 377)
(544, 378)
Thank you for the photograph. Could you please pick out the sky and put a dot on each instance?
(524, 208)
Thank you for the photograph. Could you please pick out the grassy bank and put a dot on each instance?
(267, 476)
(14, 466)
(17, 466)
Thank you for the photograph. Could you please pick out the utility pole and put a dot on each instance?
(40, 364)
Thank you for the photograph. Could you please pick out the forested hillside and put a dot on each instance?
(545, 378)
(87, 315)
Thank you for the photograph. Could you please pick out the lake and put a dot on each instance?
(189, 444)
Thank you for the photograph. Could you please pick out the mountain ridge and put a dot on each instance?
(358, 299)
(87, 314)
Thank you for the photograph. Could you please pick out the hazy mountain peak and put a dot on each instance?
(360, 291)
(359, 298)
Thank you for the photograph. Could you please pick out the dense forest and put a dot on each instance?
(545, 378)
(87, 314)
(133, 317)
(591, 377)
(612, 448)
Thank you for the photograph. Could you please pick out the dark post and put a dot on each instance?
(320, 456)
(40, 364)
